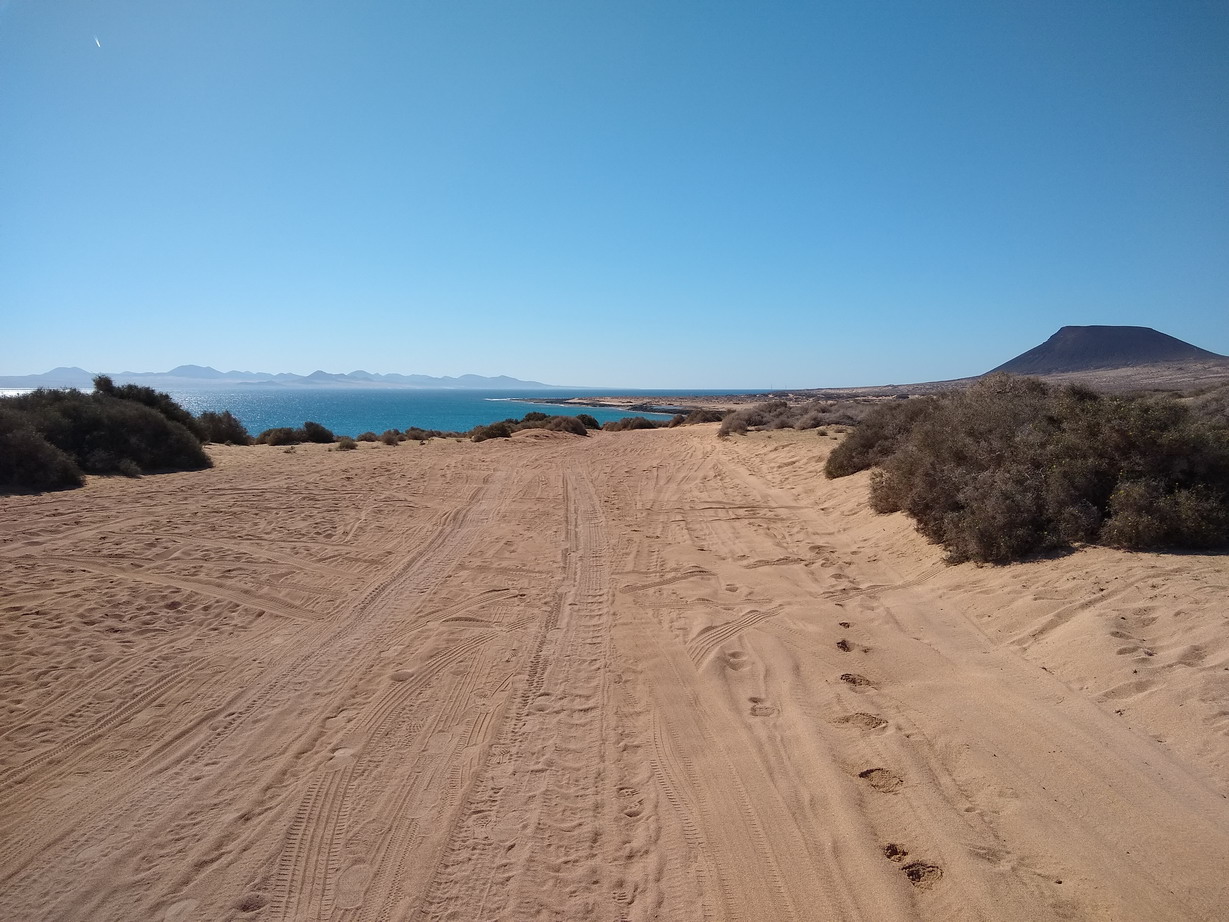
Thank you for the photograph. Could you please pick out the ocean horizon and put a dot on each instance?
(354, 410)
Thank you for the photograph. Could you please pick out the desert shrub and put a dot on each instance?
(1009, 467)
(280, 435)
(877, 436)
(421, 435)
(589, 421)
(1212, 404)
(695, 417)
(627, 423)
(345, 443)
(98, 433)
(368, 437)
(155, 400)
(534, 416)
(1144, 514)
(500, 430)
(780, 414)
(223, 428)
(391, 437)
(702, 416)
(566, 424)
(314, 432)
(29, 461)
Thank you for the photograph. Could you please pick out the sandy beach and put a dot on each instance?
(641, 675)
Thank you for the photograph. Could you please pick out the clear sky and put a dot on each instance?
(624, 193)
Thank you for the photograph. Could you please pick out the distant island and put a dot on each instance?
(202, 376)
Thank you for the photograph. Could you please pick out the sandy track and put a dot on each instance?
(637, 676)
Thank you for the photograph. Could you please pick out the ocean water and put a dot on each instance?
(351, 411)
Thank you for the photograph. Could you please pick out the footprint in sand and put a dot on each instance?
(844, 645)
(761, 709)
(635, 805)
(858, 681)
(863, 721)
(882, 780)
(894, 852)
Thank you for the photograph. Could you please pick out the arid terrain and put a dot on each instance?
(642, 675)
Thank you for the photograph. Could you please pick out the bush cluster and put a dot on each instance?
(630, 422)
(155, 400)
(780, 414)
(1011, 467)
(223, 428)
(695, 417)
(877, 436)
(532, 420)
(49, 438)
(1212, 404)
(288, 435)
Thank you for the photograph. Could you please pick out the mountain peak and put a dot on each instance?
(1085, 348)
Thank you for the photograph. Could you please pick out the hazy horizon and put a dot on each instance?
(650, 195)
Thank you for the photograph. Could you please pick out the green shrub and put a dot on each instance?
(97, 433)
(314, 432)
(534, 416)
(155, 400)
(29, 461)
(223, 428)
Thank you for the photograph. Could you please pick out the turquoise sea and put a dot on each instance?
(351, 411)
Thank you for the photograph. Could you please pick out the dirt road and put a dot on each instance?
(644, 675)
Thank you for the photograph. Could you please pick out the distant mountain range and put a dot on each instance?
(199, 376)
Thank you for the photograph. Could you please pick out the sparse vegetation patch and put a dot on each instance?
(1011, 466)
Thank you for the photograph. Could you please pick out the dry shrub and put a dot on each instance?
(779, 414)
(628, 423)
(1010, 467)
(877, 436)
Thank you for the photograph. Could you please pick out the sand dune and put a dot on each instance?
(645, 675)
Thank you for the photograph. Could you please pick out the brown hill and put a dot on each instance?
(1080, 349)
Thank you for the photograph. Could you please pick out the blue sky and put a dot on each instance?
(653, 194)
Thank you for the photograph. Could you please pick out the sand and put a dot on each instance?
(643, 675)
